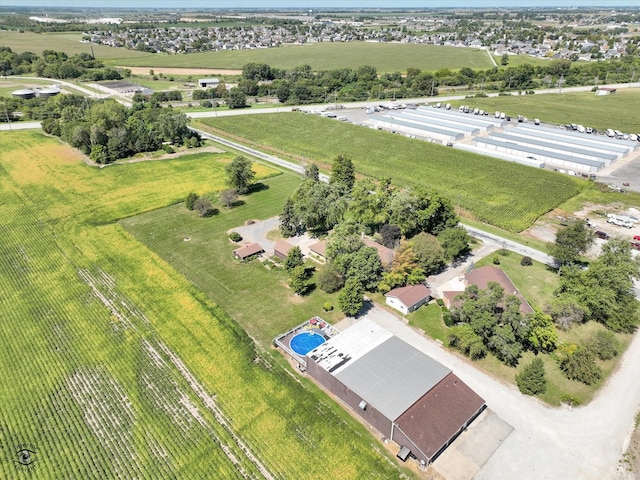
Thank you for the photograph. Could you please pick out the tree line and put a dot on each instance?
(57, 64)
(301, 85)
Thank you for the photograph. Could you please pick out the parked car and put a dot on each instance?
(635, 245)
(601, 234)
(636, 237)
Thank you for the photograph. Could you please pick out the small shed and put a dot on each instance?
(247, 251)
(281, 249)
(208, 82)
(605, 91)
(408, 299)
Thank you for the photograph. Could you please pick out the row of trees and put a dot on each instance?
(302, 85)
(107, 131)
(57, 64)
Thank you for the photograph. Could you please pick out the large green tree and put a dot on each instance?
(429, 253)
(605, 289)
(240, 175)
(350, 298)
(571, 242)
(455, 242)
(343, 171)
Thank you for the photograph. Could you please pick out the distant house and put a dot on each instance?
(408, 299)
(481, 277)
(208, 82)
(281, 249)
(247, 251)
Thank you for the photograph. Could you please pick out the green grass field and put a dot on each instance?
(501, 193)
(328, 56)
(618, 111)
(114, 365)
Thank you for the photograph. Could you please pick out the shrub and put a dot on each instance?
(496, 260)
(206, 104)
(440, 302)
(447, 318)
(191, 200)
(526, 261)
(570, 400)
(204, 207)
(168, 148)
(603, 345)
(581, 366)
(327, 307)
(531, 380)
(235, 237)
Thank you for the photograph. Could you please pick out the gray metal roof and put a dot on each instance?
(392, 376)
(501, 155)
(478, 120)
(537, 151)
(394, 121)
(582, 139)
(537, 142)
(421, 119)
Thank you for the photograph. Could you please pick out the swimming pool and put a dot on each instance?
(304, 342)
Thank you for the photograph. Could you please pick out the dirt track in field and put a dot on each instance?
(182, 71)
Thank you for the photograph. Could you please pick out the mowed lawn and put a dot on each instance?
(504, 194)
(385, 57)
(108, 347)
(618, 111)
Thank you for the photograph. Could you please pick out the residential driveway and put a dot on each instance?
(584, 443)
(258, 232)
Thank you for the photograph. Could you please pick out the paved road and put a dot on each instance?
(256, 153)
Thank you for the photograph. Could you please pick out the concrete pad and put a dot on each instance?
(471, 450)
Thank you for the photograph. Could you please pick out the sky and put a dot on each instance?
(310, 4)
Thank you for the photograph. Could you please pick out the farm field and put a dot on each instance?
(504, 194)
(618, 111)
(115, 365)
(68, 42)
(389, 57)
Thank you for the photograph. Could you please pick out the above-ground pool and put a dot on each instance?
(304, 342)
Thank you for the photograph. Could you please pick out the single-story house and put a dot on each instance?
(386, 254)
(319, 249)
(409, 298)
(247, 251)
(281, 249)
(403, 393)
(208, 82)
(481, 277)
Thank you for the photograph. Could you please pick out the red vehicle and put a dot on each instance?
(626, 184)
(636, 237)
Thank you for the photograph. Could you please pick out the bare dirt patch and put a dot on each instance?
(182, 71)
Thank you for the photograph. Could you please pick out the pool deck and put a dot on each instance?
(316, 325)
